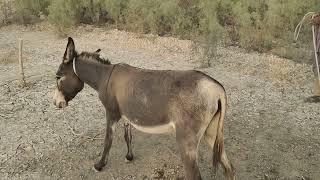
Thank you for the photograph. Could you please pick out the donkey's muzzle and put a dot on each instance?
(59, 100)
(61, 104)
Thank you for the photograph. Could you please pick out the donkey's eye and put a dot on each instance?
(58, 77)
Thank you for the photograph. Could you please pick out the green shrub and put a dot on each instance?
(259, 25)
(140, 15)
(283, 16)
(63, 14)
(155, 16)
(67, 13)
(227, 19)
(187, 22)
(164, 17)
(115, 10)
(29, 11)
(6, 12)
(254, 33)
(210, 31)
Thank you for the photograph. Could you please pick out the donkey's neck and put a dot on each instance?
(91, 72)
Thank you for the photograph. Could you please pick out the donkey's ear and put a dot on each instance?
(70, 52)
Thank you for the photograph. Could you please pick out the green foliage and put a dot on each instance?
(115, 9)
(227, 19)
(283, 17)
(29, 11)
(210, 32)
(266, 25)
(254, 33)
(187, 20)
(140, 15)
(155, 16)
(6, 12)
(63, 14)
(259, 25)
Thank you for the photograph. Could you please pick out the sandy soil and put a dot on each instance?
(271, 133)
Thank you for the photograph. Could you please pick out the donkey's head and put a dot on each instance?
(68, 83)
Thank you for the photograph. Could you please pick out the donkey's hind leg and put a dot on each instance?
(128, 139)
(188, 145)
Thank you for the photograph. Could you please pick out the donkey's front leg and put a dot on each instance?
(128, 139)
(107, 145)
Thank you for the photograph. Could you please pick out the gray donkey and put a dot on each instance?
(188, 103)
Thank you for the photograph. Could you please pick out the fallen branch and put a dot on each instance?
(72, 130)
(171, 152)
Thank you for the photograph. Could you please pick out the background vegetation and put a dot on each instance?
(258, 25)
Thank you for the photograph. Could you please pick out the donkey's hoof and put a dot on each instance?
(94, 169)
(312, 99)
(98, 166)
(129, 158)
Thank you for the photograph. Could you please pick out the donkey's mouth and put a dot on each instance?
(61, 104)
(59, 99)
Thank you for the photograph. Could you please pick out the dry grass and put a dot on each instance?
(8, 57)
(279, 70)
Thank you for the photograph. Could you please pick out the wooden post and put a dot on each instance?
(22, 79)
(314, 35)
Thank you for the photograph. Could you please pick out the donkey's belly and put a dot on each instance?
(158, 129)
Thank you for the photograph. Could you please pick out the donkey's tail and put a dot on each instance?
(218, 143)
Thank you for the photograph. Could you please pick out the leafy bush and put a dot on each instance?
(187, 22)
(6, 12)
(227, 19)
(283, 17)
(210, 32)
(29, 11)
(259, 25)
(253, 31)
(63, 14)
(266, 25)
(115, 10)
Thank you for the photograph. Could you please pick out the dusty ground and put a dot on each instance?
(270, 131)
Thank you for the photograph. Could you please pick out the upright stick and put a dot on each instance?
(22, 79)
(315, 53)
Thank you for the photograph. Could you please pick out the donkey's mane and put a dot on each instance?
(95, 56)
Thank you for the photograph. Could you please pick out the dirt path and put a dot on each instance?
(270, 132)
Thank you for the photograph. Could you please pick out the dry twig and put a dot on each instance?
(77, 134)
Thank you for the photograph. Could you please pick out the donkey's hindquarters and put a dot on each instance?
(203, 112)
